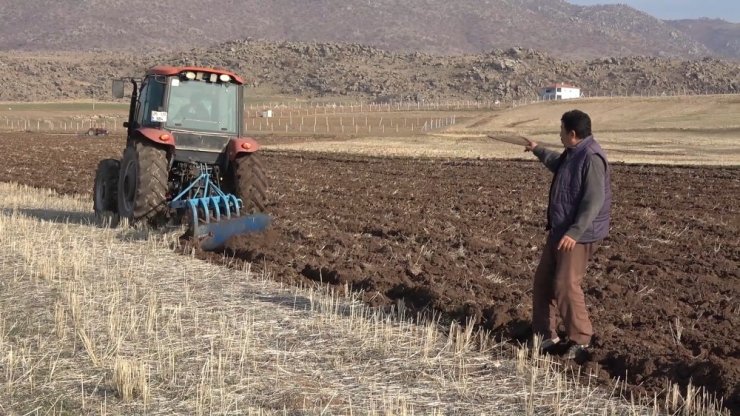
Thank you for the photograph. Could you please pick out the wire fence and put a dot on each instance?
(348, 123)
(333, 108)
(61, 125)
(375, 124)
(332, 118)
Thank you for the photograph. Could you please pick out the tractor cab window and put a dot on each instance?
(202, 106)
(150, 102)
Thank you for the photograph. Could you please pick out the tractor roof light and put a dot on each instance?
(190, 75)
(224, 78)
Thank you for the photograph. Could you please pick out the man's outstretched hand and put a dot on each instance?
(530, 145)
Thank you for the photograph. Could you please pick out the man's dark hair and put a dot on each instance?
(577, 121)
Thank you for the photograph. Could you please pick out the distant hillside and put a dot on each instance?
(721, 37)
(329, 69)
(437, 26)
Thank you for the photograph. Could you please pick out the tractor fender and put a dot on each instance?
(241, 145)
(158, 136)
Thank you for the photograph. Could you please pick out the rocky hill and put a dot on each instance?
(437, 26)
(330, 69)
(721, 37)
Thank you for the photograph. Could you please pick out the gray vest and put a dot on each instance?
(566, 191)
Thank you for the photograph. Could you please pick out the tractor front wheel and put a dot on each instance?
(105, 202)
(142, 183)
(251, 183)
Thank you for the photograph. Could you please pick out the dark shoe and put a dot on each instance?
(577, 352)
(549, 343)
(546, 345)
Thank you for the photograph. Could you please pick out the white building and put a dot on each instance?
(560, 91)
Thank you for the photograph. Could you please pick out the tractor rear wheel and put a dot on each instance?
(105, 202)
(250, 183)
(143, 183)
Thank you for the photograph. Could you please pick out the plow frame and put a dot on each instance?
(207, 196)
(204, 200)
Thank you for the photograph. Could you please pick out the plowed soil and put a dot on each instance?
(463, 237)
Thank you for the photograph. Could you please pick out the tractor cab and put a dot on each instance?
(200, 109)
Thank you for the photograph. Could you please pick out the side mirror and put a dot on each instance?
(117, 88)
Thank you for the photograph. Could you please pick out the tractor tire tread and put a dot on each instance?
(148, 202)
(152, 189)
(107, 170)
(251, 183)
(106, 178)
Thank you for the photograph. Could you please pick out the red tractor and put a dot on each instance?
(186, 157)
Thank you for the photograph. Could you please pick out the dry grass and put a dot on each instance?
(101, 321)
(672, 130)
(690, 130)
(710, 112)
(698, 130)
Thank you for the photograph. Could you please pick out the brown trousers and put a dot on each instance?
(557, 291)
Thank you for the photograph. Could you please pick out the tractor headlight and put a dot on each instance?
(190, 75)
(224, 78)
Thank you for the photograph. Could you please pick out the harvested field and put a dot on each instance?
(462, 237)
(690, 130)
(114, 322)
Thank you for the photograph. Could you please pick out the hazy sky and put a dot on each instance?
(679, 9)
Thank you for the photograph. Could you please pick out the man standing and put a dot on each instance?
(578, 215)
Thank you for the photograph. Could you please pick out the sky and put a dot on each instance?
(679, 9)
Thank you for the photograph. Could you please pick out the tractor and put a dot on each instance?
(186, 158)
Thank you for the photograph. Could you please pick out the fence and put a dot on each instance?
(332, 125)
(357, 118)
(326, 108)
(282, 109)
(79, 125)
(353, 124)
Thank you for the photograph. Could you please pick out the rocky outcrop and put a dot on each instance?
(361, 71)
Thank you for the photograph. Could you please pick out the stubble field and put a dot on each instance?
(461, 237)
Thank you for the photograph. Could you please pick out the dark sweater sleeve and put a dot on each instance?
(593, 197)
(549, 158)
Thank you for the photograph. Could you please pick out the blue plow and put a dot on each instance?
(215, 216)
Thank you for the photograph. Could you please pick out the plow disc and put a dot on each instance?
(214, 235)
(214, 216)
